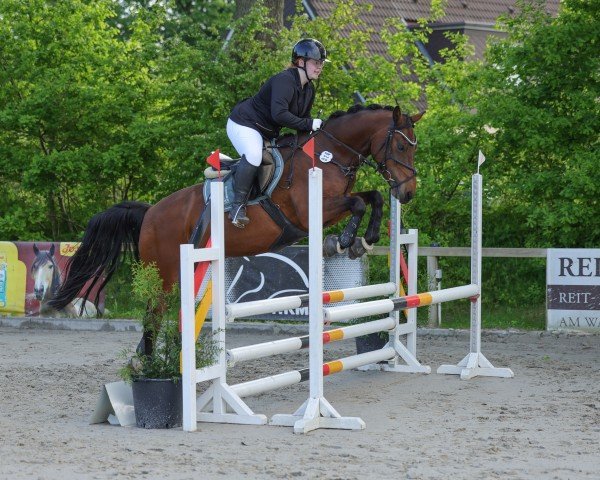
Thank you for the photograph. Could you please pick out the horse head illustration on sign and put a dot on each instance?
(47, 278)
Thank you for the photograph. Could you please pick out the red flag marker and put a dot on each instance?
(215, 161)
(309, 149)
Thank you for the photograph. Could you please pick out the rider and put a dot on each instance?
(284, 100)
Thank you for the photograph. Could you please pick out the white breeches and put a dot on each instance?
(246, 141)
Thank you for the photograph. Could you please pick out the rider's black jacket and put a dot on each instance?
(280, 102)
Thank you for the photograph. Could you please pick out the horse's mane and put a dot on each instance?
(359, 108)
(340, 113)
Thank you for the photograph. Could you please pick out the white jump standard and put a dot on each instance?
(227, 406)
(475, 364)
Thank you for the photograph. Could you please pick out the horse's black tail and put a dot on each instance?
(108, 234)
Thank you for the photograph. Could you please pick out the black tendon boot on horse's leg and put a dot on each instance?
(242, 184)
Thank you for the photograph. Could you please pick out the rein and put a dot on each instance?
(380, 167)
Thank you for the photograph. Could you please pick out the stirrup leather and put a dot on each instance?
(238, 216)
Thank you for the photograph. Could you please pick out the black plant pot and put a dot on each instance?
(369, 343)
(158, 403)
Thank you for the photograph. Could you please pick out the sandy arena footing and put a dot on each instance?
(542, 424)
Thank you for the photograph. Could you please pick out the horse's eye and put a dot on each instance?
(400, 146)
(51, 267)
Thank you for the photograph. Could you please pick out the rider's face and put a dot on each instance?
(314, 68)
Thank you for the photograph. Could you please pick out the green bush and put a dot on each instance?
(161, 323)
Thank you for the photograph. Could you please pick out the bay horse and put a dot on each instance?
(343, 145)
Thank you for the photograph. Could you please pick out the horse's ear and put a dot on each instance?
(397, 115)
(35, 249)
(51, 250)
(416, 117)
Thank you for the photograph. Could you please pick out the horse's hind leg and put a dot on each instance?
(152, 325)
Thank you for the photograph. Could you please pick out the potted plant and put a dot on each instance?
(155, 377)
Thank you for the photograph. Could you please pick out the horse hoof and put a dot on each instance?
(359, 248)
(331, 246)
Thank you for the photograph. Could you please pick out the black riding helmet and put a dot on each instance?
(309, 48)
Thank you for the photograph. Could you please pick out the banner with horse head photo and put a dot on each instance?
(30, 274)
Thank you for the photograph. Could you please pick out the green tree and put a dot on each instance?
(184, 18)
(540, 89)
(77, 129)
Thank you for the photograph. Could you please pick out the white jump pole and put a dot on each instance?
(378, 307)
(276, 347)
(316, 412)
(258, 307)
(262, 385)
(475, 364)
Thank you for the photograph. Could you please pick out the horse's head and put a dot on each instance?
(394, 152)
(44, 272)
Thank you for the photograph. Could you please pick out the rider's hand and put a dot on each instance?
(317, 122)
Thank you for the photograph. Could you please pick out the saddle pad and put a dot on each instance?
(228, 191)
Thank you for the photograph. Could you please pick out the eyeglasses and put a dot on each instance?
(318, 63)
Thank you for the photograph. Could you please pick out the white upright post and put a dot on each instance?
(475, 364)
(219, 403)
(315, 274)
(406, 354)
(188, 341)
(316, 412)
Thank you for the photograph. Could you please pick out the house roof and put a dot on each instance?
(484, 12)
(468, 16)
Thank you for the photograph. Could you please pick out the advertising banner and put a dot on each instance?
(285, 273)
(573, 289)
(30, 274)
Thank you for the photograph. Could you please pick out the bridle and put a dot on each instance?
(380, 166)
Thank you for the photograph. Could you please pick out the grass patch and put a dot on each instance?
(457, 315)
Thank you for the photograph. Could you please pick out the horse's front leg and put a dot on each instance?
(335, 209)
(375, 199)
(357, 208)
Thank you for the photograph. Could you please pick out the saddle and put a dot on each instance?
(268, 176)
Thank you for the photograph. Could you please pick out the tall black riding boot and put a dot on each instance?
(242, 184)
